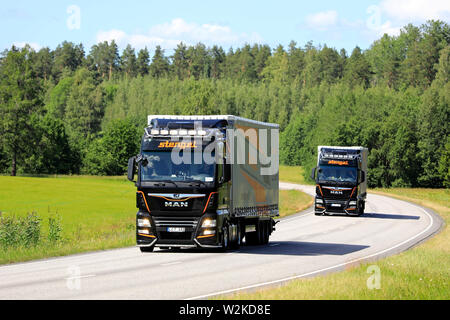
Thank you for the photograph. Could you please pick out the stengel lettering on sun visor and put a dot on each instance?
(338, 162)
(182, 145)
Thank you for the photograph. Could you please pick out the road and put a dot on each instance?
(303, 245)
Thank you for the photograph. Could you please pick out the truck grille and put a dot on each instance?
(163, 223)
(330, 205)
(175, 222)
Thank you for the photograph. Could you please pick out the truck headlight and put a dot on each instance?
(209, 223)
(143, 231)
(319, 201)
(352, 203)
(144, 223)
(209, 232)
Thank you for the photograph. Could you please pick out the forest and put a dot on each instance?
(76, 111)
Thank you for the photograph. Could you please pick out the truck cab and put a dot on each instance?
(340, 177)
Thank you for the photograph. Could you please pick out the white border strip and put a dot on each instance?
(321, 270)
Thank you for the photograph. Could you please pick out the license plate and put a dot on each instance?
(336, 205)
(176, 229)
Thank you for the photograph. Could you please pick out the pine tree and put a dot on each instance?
(160, 64)
(143, 62)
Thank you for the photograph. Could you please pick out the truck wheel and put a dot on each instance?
(236, 243)
(361, 208)
(225, 238)
(146, 249)
(266, 232)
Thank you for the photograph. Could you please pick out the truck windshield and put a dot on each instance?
(338, 174)
(160, 167)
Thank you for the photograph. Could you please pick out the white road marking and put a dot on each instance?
(80, 277)
(170, 263)
(321, 270)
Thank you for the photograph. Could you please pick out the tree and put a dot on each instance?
(67, 56)
(357, 69)
(52, 152)
(128, 62)
(19, 103)
(180, 63)
(217, 62)
(84, 109)
(277, 66)
(43, 63)
(108, 155)
(160, 64)
(143, 62)
(104, 58)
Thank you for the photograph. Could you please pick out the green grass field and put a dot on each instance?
(96, 212)
(420, 273)
(293, 175)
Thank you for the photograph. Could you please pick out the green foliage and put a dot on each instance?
(20, 231)
(54, 229)
(108, 155)
(64, 112)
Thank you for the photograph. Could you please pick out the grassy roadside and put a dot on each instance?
(96, 213)
(293, 175)
(293, 201)
(420, 273)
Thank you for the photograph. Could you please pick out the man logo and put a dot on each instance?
(178, 204)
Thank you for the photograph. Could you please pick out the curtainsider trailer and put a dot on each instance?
(341, 184)
(205, 181)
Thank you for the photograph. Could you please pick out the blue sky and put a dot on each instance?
(338, 24)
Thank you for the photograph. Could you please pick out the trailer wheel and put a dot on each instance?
(267, 225)
(236, 243)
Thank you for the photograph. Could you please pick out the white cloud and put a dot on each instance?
(322, 20)
(416, 10)
(33, 45)
(169, 34)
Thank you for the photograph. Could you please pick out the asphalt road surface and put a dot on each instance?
(303, 245)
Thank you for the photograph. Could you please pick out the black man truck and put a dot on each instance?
(341, 185)
(205, 181)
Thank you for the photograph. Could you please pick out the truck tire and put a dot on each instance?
(361, 208)
(225, 238)
(236, 243)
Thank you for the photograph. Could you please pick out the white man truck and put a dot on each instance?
(341, 184)
(205, 181)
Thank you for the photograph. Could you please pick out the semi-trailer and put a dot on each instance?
(205, 181)
(340, 176)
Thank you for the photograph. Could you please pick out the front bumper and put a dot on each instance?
(324, 206)
(164, 233)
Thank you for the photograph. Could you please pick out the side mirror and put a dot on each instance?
(131, 168)
(363, 176)
(313, 173)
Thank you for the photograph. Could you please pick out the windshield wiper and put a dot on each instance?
(198, 181)
(167, 181)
